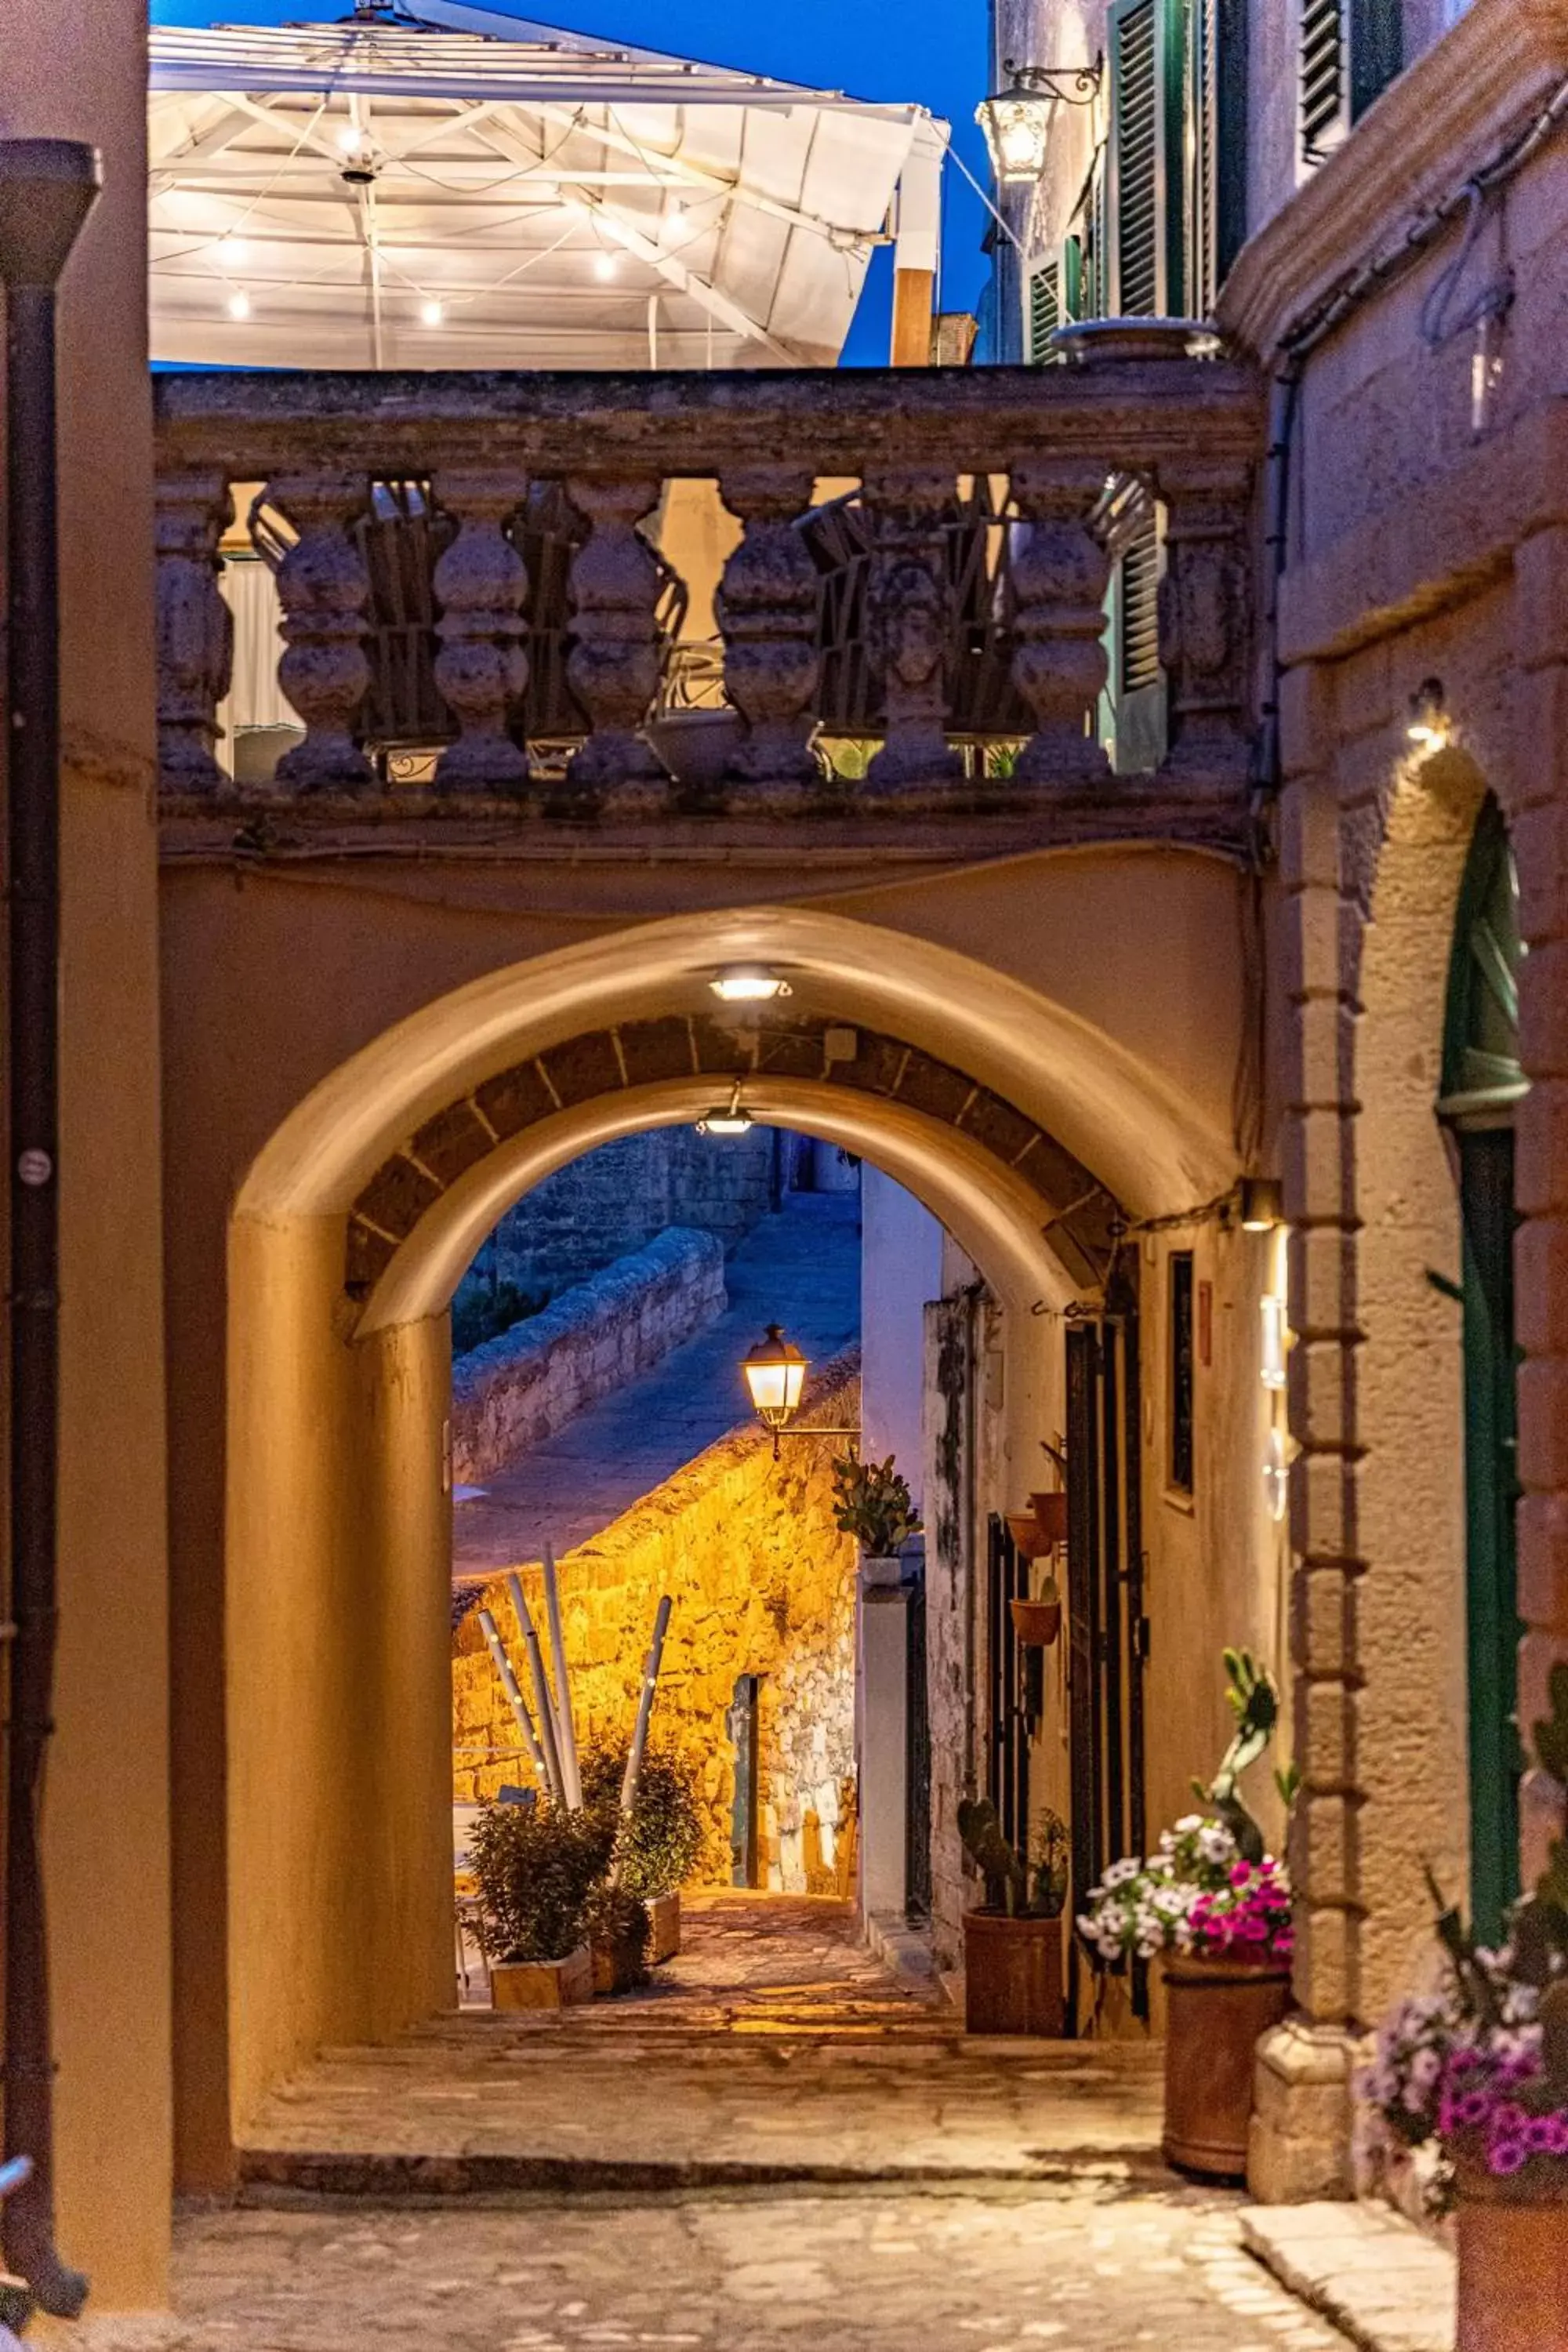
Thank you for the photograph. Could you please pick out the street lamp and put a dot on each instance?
(775, 1374)
(1016, 120)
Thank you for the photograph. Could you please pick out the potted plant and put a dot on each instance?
(1013, 1942)
(1215, 1907)
(1481, 2069)
(535, 1866)
(619, 1933)
(659, 1846)
(873, 1503)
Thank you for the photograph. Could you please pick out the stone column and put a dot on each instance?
(481, 667)
(911, 628)
(1300, 2132)
(194, 627)
(1539, 822)
(1204, 607)
(612, 667)
(323, 588)
(1059, 576)
(767, 607)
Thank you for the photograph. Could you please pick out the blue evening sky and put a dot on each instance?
(929, 52)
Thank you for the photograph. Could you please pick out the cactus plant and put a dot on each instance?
(873, 1503)
(1036, 1889)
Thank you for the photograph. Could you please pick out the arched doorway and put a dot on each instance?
(1482, 1083)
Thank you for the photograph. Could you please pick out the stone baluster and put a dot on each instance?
(323, 588)
(911, 628)
(612, 665)
(1204, 616)
(767, 608)
(481, 669)
(1059, 576)
(195, 626)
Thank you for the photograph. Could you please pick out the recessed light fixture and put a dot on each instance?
(239, 303)
(748, 983)
(727, 1118)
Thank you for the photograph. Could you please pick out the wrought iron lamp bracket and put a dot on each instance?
(1075, 85)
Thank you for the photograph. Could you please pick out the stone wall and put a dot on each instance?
(763, 1583)
(517, 1388)
(616, 1198)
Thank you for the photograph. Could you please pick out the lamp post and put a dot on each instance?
(775, 1372)
(47, 187)
(1016, 121)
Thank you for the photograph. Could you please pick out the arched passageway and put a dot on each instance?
(1032, 1136)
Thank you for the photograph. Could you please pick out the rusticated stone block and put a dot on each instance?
(657, 1049)
(515, 1099)
(1325, 1636)
(451, 1141)
(369, 1254)
(582, 1068)
(996, 1125)
(934, 1087)
(396, 1197)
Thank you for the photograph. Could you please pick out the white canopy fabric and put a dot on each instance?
(464, 189)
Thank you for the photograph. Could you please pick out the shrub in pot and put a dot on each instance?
(1482, 2068)
(661, 1844)
(873, 1503)
(1215, 1907)
(535, 1866)
(1013, 1942)
(619, 1933)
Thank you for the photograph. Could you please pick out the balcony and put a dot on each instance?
(731, 603)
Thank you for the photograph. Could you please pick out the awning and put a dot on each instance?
(465, 189)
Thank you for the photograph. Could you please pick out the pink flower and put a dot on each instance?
(1506, 2156)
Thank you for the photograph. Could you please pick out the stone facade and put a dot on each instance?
(529, 1381)
(1427, 538)
(616, 1199)
(763, 1583)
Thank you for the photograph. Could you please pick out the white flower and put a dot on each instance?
(1186, 1826)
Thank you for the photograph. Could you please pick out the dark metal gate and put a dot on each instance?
(1108, 1632)
(1007, 1775)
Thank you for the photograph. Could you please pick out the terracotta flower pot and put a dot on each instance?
(1012, 1974)
(543, 1984)
(1027, 1536)
(1513, 2260)
(1036, 1622)
(1217, 2011)
(1051, 1515)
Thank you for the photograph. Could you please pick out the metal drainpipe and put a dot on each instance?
(46, 189)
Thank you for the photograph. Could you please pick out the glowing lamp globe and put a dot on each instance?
(775, 1376)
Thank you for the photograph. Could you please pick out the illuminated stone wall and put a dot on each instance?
(763, 1583)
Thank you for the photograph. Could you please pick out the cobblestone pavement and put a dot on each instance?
(773, 2049)
(869, 2272)
(800, 1268)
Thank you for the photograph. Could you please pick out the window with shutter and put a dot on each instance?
(1045, 311)
(1138, 650)
(1351, 51)
(1138, 192)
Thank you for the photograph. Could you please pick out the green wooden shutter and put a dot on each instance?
(1137, 651)
(1324, 81)
(1377, 50)
(1045, 311)
(1215, 194)
(1145, 192)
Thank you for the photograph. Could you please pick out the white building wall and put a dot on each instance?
(900, 1269)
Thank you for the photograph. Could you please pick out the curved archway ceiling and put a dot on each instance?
(1079, 1215)
(461, 188)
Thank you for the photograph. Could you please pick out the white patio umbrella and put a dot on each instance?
(464, 189)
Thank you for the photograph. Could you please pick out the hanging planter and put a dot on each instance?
(1050, 1512)
(1038, 1623)
(1024, 1528)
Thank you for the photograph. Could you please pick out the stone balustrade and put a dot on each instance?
(1055, 449)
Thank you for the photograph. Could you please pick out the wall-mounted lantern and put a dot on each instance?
(1261, 1203)
(1428, 726)
(1016, 121)
(775, 1374)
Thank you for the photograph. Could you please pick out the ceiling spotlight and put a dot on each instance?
(1427, 727)
(748, 983)
(431, 313)
(239, 303)
(605, 264)
(728, 1118)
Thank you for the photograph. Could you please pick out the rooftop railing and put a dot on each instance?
(489, 590)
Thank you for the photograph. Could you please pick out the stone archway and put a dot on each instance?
(1022, 1129)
